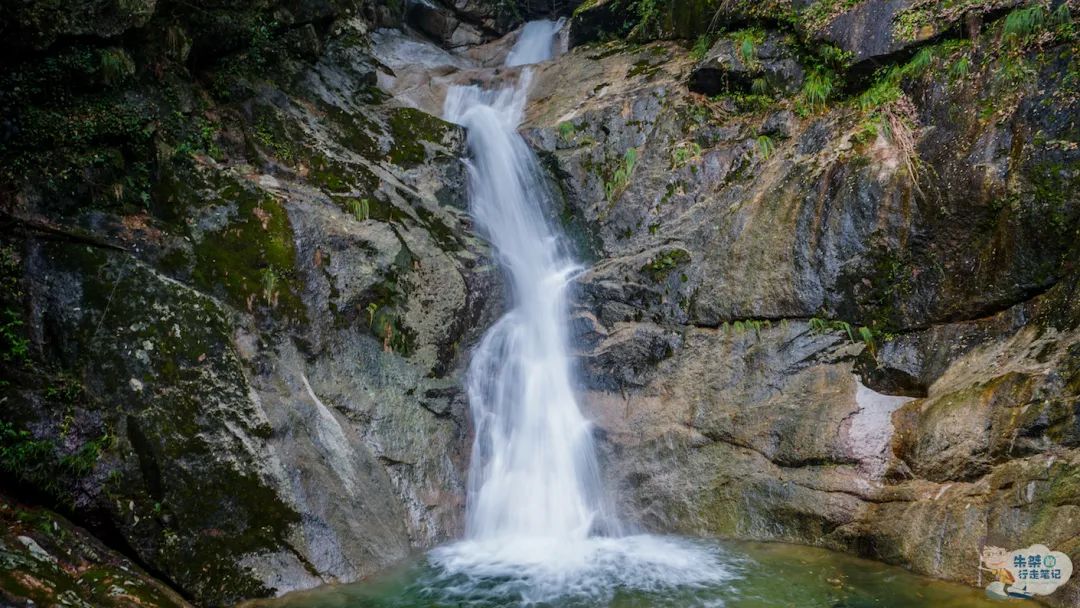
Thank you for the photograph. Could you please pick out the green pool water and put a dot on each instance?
(752, 575)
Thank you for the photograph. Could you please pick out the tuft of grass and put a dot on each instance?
(867, 336)
(116, 65)
(960, 68)
(701, 47)
(1062, 16)
(269, 281)
(566, 130)
(882, 92)
(765, 146)
(360, 208)
(684, 153)
(918, 63)
(817, 89)
(621, 176)
(1024, 22)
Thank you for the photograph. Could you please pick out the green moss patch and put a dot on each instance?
(251, 261)
(409, 128)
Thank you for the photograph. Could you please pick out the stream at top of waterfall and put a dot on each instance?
(540, 528)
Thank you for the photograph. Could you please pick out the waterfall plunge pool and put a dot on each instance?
(752, 575)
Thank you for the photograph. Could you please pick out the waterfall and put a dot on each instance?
(536, 517)
(533, 467)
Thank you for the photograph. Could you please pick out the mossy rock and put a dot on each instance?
(157, 362)
(46, 560)
(409, 128)
(244, 252)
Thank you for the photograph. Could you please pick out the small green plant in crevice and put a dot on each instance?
(1023, 22)
(889, 112)
(747, 42)
(1028, 24)
(867, 336)
(664, 263)
(360, 208)
(816, 91)
(918, 63)
(818, 14)
(15, 347)
(115, 65)
(765, 146)
(621, 177)
(202, 138)
(372, 308)
(701, 47)
(640, 17)
(566, 130)
(960, 68)
(39, 463)
(684, 153)
(742, 326)
(269, 280)
(1062, 19)
(863, 334)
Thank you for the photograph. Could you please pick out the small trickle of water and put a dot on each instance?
(537, 522)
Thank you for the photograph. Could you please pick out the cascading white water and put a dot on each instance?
(533, 469)
(536, 516)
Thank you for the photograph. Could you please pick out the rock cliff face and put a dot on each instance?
(237, 292)
(831, 304)
(832, 295)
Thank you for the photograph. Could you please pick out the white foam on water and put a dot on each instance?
(542, 570)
